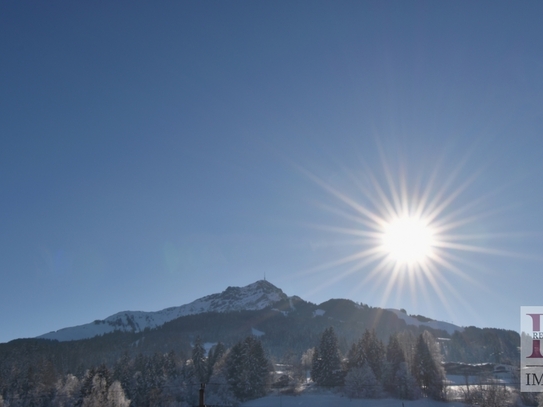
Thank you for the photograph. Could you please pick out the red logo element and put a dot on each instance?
(536, 343)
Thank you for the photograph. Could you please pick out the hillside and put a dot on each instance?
(285, 325)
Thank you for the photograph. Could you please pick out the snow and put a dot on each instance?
(285, 313)
(330, 399)
(409, 320)
(256, 332)
(256, 296)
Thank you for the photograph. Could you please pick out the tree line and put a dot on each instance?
(408, 366)
(232, 375)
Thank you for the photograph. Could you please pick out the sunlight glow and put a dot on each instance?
(411, 236)
(408, 240)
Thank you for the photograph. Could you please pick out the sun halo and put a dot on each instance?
(407, 240)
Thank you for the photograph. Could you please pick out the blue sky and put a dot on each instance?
(155, 153)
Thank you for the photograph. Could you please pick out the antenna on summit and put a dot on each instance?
(264, 276)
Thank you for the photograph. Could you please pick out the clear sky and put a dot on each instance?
(156, 152)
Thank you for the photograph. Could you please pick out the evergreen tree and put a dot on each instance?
(247, 369)
(374, 352)
(427, 368)
(258, 367)
(406, 386)
(199, 361)
(327, 369)
(394, 354)
(395, 358)
(99, 390)
(356, 357)
(316, 366)
(215, 354)
(218, 391)
(116, 396)
(170, 366)
(123, 372)
(67, 390)
(361, 382)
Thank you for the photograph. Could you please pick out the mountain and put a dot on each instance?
(257, 296)
(253, 297)
(285, 325)
(418, 320)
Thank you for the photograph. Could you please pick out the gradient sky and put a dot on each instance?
(153, 153)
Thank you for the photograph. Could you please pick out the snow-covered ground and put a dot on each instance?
(334, 400)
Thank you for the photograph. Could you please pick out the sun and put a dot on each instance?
(406, 236)
(408, 240)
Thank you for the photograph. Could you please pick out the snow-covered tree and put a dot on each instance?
(356, 357)
(199, 361)
(99, 390)
(406, 386)
(248, 369)
(97, 396)
(116, 396)
(316, 366)
(306, 362)
(326, 370)
(123, 371)
(67, 390)
(427, 368)
(374, 352)
(215, 355)
(394, 359)
(490, 394)
(218, 392)
(361, 382)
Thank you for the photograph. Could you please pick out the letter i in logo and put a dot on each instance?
(536, 343)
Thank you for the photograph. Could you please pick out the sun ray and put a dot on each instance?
(414, 237)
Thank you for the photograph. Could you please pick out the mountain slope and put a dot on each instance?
(438, 325)
(256, 296)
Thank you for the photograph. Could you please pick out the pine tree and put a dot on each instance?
(395, 358)
(170, 365)
(67, 390)
(199, 361)
(427, 368)
(123, 372)
(374, 351)
(406, 385)
(327, 369)
(356, 357)
(394, 354)
(116, 396)
(218, 391)
(247, 369)
(94, 392)
(361, 382)
(258, 367)
(316, 366)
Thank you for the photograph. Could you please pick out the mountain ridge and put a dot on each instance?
(256, 296)
(253, 297)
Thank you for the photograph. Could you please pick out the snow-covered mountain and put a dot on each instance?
(256, 296)
(410, 320)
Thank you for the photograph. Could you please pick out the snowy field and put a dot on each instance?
(334, 400)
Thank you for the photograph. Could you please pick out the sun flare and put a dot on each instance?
(410, 236)
(408, 240)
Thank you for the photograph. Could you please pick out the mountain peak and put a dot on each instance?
(256, 296)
